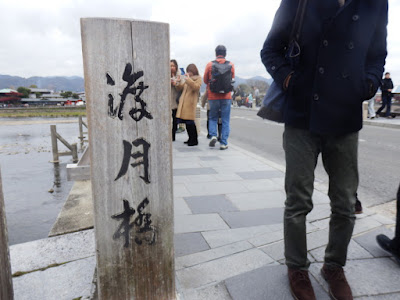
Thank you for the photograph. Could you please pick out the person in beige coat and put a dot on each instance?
(190, 85)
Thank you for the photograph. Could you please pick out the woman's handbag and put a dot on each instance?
(274, 102)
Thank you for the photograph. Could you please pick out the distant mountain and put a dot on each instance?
(76, 83)
(56, 83)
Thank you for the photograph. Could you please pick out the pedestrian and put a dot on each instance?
(175, 73)
(190, 86)
(219, 87)
(371, 108)
(341, 61)
(257, 96)
(387, 87)
(250, 101)
(204, 103)
(392, 245)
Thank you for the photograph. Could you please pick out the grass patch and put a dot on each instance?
(31, 112)
(18, 274)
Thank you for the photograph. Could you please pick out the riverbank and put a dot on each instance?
(43, 111)
(28, 175)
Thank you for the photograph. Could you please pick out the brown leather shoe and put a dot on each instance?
(300, 285)
(339, 289)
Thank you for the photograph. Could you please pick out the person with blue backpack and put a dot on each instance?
(219, 76)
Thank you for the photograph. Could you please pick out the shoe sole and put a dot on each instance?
(293, 295)
(213, 142)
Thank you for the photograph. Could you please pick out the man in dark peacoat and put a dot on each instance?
(343, 52)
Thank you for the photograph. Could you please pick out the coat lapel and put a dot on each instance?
(347, 3)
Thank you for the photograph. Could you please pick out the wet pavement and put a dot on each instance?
(28, 175)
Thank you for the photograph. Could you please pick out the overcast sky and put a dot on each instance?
(42, 37)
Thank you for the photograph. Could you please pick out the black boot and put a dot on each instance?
(192, 130)
(188, 132)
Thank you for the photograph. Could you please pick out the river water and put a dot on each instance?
(28, 175)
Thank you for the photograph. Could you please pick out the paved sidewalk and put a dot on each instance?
(228, 238)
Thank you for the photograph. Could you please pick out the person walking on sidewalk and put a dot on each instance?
(342, 57)
(387, 87)
(204, 102)
(371, 108)
(174, 95)
(219, 76)
(392, 245)
(190, 86)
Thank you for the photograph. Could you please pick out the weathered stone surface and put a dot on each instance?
(258, 200)
(317, 239)
(181, 207)
(368, 241)
(188, 243)
(355, 251)
(189, 149)
(215, 188)
(214, 292)
(193, 171)
(365, 224)
(395, 296)
(68, 281)
(261, 185)
(56, 250)
(268, 238)
(210, 158)
(367, 277)
(223, 268)
(77, 212)
(319, 212)
(224, 237)
(275, 250)
(253, 217)
(210, 204)
(199, 223)
(261, 174)
(212, 254)
(270, 282)
(320, 198)
(180, 190)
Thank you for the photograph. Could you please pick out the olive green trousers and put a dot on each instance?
(339, 156)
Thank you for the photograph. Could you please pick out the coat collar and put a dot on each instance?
(347, 3)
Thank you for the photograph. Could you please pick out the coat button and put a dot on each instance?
(321, 70)
(356, 17)
(273, 68)
(350, 46)
(316, 97)
(325, 43)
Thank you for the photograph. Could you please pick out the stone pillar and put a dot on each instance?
(127, 83)
(6, 288)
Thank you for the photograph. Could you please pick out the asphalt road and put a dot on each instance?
(379, 153)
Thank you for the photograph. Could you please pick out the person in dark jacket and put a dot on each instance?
(392, 245)
(387, 87)
(342, 58)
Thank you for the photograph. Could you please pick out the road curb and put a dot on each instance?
(381, 124)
